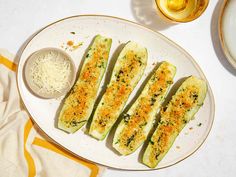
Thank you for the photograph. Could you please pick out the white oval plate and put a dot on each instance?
(159, 48)
(227, 32)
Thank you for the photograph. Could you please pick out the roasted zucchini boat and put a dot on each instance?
(179, 111)
(79, 104)
(126, 74)
(138, 121)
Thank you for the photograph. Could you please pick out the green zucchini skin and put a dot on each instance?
(127, 72)
(78, 106)
(138, 121)
(179, 111)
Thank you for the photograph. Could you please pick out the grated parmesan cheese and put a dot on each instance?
(51, 72)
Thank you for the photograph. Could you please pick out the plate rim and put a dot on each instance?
(212, 99)
(225, 49)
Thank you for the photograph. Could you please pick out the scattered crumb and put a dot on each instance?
(70, 43)
(153, 63)
(62, 45)
(190, 128)
(72, 32)
(200, 124)
(186, 133)
(77, 45)
(177, 147)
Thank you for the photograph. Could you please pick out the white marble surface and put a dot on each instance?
(217, 157)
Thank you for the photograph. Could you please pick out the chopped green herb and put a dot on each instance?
(118, 75)
(151, 142)
(121, 72)
(126, 118)
(130, 139)
(153, 100)
(195, 96)
(157, 155)
(74, 123)
(143, 124)
(117, 141)
(140, 62)
(160, 137)
(153, 78)
(102, 65)
(156, 95)
(200, 104)
(72, 32)
(185, 121)
(169, 82)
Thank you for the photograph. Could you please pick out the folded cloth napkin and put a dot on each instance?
(24, 149)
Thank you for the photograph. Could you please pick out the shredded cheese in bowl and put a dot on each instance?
(49, 72)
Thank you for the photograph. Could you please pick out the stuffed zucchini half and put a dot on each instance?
(79, 104)
(138, 121)
(179, 111)
(127, 72)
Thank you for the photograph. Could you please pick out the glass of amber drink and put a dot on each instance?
(181, 10)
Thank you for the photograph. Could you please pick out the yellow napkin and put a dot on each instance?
(24, 150)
